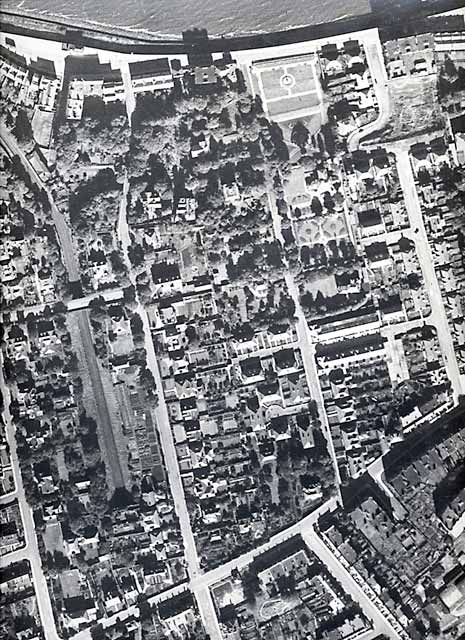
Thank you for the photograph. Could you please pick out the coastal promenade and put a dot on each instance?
(394, 20)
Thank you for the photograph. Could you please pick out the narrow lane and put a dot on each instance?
(169, 453)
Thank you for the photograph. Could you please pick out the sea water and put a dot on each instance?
(171, 17)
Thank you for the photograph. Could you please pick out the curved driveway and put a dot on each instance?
(374, 54)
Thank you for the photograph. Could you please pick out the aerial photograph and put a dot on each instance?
(232, 320)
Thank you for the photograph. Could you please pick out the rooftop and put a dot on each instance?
(155, 67)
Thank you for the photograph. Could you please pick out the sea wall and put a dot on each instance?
(393, 20)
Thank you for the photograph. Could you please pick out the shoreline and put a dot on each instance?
(122, 40)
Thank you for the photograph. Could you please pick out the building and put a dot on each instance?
(410, 56)
(205, 79)
(85, 76)
(37, 82)
(151, 75)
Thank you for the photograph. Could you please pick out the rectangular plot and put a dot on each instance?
(293, 103)
(304, 80)
(271, 83)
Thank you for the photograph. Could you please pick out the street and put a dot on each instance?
(219, 573)
(169, 453)
(308, 355)
(382, 625)
(65, 239)
(438, 315)
(307, 349)
(161, 411)
(30, 551)
(171, 464)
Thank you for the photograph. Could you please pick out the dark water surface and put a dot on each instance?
(171, 17)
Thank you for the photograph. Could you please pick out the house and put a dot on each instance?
(199, 144)
(151, 75)
(44, 84)
(13, 67)
(151, 204)
(231, 193)
(186, 209)
(205, 79)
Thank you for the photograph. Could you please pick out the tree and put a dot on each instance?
(22, 129)
(304, 619)
(328, 201)
(225, 118)
(434, 626)
(9, 120)
(316, 206)
(147, 380)
(28, 220)
(305, 254)
(319, 300)
(137, 326)
(273, 254)
(300, 134)
(145, 609)
(191, 333)
(97, 632)
(450, 70)
(117, 263)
